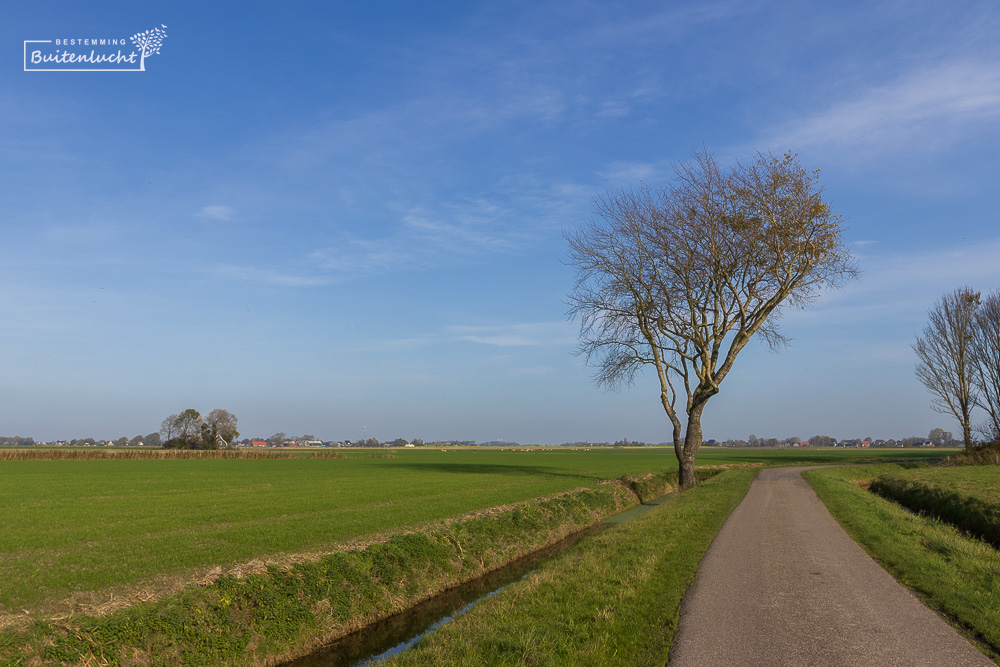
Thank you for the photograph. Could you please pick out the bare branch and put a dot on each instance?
(984, 350)
(944, 356)
(681, 278)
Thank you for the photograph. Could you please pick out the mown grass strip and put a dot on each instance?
(954, 574)
(285, 612)
(614, 599)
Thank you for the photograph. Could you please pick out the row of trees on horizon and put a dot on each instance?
(937, 437)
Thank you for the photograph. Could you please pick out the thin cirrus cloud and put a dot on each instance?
(265, 276)
(923, 109)
(217, 212)
(896, 289)
(418, 242)
(633, 173)
(460, 231)
(527, 334)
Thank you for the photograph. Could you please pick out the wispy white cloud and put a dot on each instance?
(613, 109)
(631, 173)
(896, 289)
(534, 371)
(516, 335)
(269, 276)
(504, 79)
(458, 231)
(508, 335)
(924, 109)
(217, 212)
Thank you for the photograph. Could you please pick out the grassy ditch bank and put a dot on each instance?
(611, 600)
(954, 574)
(264, 618)
(966, 497)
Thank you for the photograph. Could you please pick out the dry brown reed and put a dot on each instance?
(982, 455)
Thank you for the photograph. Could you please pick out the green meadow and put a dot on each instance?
(84, 526)
(80, 527)
(80, 534)
(978, 482)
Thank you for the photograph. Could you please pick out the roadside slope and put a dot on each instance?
(783, 584)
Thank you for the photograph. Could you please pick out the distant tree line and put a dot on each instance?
(938, 437)
(281, 439)
(16, 441)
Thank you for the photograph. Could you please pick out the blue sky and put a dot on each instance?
(337, 218)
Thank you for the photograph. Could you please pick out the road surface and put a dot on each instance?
(783, 584)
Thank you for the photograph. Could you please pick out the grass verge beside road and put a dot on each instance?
(954, 574)
(613, 599)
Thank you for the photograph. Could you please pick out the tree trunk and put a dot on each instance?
(686, 477)
(692, 441)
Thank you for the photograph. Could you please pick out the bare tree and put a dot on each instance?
(681, 278)
(985, 353)
(944, 356)
(168, 427)
(940, 437)
(182, 431)
(219, 429)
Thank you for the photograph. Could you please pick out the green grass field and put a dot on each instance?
(262, 617)
(974, 481)
(88, 525)
(90, 528)
(80, 534)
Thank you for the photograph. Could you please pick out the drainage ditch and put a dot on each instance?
(395, 634)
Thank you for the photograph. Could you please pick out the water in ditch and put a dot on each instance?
(395, 634)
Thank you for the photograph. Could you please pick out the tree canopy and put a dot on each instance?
(680, 278)
(189, 430)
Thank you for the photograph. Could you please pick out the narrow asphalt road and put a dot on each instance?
(783, 584)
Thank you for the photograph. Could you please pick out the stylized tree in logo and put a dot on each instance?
(148, 43)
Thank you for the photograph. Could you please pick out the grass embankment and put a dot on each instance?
(613, 599)
(966, 497)
(957, 575)
(285, 611)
